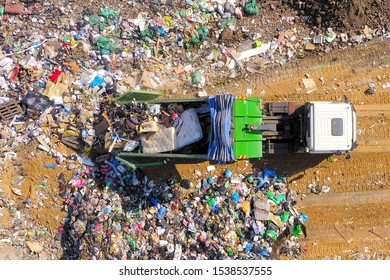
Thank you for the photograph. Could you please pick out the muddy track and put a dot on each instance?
(341, 229)
(374, 128)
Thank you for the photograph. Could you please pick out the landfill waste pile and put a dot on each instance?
(117, 213)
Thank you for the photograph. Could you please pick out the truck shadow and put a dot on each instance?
(284, 165)
(289, 165)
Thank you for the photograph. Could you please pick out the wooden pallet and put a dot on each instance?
(9, 109)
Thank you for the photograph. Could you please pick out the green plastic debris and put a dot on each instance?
(203, 32)
(132, 243)
(93, 20)
(251, 7)
(147, 33)
(330, 159)
(196, 78)
(102, 26)
(271, 233)
(211, 201)
(285, 216)
(297, 229)
(1, 10)
(227, 22)
(277, 199)
(194, 41)
(330, 37)
(257, 44)
(104, 43)
(183, 13)
(107, 12)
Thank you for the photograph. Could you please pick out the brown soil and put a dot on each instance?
(352, 14)
(39, 187)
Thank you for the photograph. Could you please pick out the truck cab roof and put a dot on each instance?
(330, 127)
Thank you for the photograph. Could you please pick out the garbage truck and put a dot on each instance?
(227, 128)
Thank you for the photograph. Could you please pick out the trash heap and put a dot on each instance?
(118, 213)
(151, 128)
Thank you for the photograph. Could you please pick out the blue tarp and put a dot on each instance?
(221, 107)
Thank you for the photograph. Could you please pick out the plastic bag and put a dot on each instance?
(147, 33)
(196, 78)
(104, 43)
(277, 199)
(251, 7)
(285, 216)
(297, 229)
(107, 12)
(194, 41)
(203, 32)
(97, 81)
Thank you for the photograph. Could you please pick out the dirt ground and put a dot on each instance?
(351, 221)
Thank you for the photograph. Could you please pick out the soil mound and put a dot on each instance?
(346, 14)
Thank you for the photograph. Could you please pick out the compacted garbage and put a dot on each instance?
(123, 215)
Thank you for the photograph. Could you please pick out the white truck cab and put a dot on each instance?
(331, 127)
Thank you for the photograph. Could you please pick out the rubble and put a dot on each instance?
(207, 219)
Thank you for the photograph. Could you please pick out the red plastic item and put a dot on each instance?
(15, 72)
(54, 77)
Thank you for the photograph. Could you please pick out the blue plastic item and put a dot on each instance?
(228, 173)
(162, 31)
(248, 247)
(235, 197)
(262, 181)
(269, 173)
(154, 201)
(52, 166)
(210, 180)
(161, 212)
(115, 162)
(97, 81)
(304, 217)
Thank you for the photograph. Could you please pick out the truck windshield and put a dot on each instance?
(354, 127)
